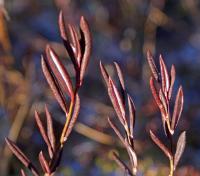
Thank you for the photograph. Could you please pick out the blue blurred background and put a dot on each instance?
(122, 31)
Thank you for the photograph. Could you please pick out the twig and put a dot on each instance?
(59, 80)
(162, 95)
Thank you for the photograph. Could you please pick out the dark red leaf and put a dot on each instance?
(44, 163)
(133, 158)
(59, 71)
(118, 133)
(178, 107)
(50, 130)
(172, 80)
(179, 148)
(116, 101)
(152, 65)
(65, 39)
(104, 74)
(43, 133)
(131, 108)
(120, 75)
(164, 76)
(76, 44)
(22, 172)
(164, 101)
(121, 80)
(62, 26)
(21, 156)
(88, 46)
(160, 145)
(54, 85)
(156, 97)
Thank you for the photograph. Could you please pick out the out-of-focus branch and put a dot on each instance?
(156, 17)
(5, 45)
(94, 134)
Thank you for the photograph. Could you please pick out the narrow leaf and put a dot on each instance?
(156, 97)
(116, 101)
(59, 71)
(78, 47)
(131, 108)
(22, 172)
(116, 130)
(18, 153)
(159, 104)
(54, 85)
(172, 80)
(164, 76)
(160, 145)
(152, 65)
(121, 80)
(120, 75)
(43, 133)
(164, 101)
(44, 163)
(88, 46)
(178, 107)
(21, 156)
(72, 36)
(133, 158)
(62, 26)
(66, 42)
(179, 148)
(104, 73)
(76, 44)
(50, 130)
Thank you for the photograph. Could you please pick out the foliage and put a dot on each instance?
(60, 83)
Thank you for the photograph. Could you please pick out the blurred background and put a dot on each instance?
(122, 31)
